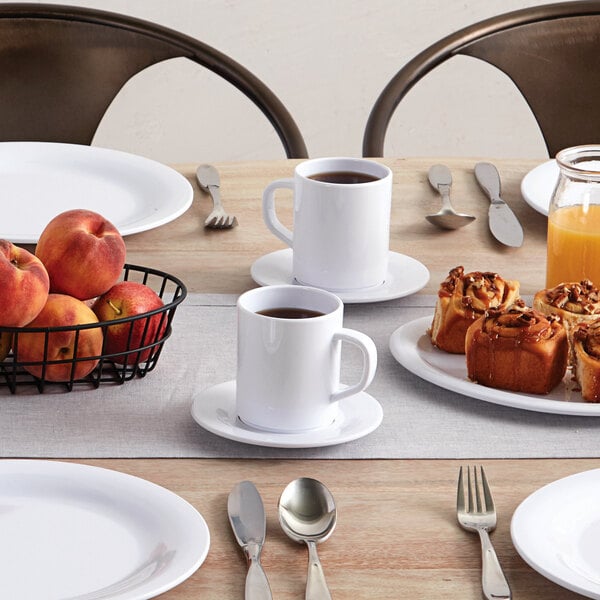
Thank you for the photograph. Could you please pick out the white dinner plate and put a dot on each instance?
(412, 348)
(39, 180)
(77, 532)
(538, 185)
(556, 531)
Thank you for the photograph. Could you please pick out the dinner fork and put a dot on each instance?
(477, 513)
(209, 181)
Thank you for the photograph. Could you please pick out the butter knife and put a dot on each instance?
(504, 225)
(248, 521)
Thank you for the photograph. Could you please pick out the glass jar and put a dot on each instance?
(573, 248)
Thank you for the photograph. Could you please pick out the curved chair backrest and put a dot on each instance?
(550, 52)
(61, 67)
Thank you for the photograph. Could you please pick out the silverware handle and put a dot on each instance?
(493, 581)
(489, 179)
(439, 175)
(440, 179)
(445, 195)
(257, 584)
(316, 587)
(215, 194)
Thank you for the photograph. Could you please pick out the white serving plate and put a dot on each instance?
(77, 532)
(412, 348)
(556, 529)
(39, 180)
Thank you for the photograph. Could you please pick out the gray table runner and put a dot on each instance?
(151, 417)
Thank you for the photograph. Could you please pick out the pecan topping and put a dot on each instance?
(578, 297)
(589, 335)
(478, 290)
(448, 286)
(520, 322)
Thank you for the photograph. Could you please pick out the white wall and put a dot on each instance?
(327, 60)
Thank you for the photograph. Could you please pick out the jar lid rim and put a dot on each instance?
(576, 158)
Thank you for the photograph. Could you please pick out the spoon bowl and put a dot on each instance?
(440, 179)
(450, 219)
(307, 514)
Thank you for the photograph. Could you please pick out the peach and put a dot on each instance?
(83, 252)
(24, 285)
(61, 310)
(128, 299)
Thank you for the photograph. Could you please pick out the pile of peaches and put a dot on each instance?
(73, 279)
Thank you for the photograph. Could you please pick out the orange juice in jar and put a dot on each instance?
(574, 218)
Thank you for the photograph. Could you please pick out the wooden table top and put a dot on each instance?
(219, 261)
(397, 535)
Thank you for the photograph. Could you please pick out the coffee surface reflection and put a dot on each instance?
(290, 313)
(343, 177)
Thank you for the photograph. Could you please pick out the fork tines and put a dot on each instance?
(475, 512)
(476, 486)
(221, 222)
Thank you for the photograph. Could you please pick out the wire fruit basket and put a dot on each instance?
(138, 358)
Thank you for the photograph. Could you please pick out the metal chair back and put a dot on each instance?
(550, 52)
(62, 66)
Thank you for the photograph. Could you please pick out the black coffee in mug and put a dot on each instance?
(344, 177)
(290, 313)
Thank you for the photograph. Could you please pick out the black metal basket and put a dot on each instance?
(137, 359)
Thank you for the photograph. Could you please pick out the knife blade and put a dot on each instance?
(503, 223)
(248, 522)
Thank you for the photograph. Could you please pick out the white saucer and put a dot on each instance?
(538, 186)
(214, 410)
(406, 276)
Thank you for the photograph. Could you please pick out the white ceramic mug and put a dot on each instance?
(341, 231)
(288, 369)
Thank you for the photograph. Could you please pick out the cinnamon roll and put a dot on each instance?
(586, 352)
(463, 298)
(517, 349)
(573, 303)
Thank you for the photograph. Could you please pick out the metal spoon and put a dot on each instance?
(307, 514)
(440, 179)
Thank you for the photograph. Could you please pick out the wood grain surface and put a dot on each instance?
(396, 536)
(220, 260)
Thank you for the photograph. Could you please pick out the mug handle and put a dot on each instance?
(269, 214)
(367, 346)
